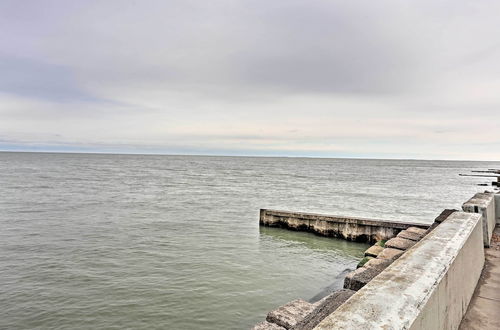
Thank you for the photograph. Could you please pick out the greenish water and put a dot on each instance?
(173, 242)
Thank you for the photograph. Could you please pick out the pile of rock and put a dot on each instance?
(302, 315)
(299, 314)
(381, 255)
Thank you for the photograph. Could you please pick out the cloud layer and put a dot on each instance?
(416, 79)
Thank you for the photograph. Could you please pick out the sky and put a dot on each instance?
(314, 78)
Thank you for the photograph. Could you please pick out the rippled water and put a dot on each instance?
(173, 242)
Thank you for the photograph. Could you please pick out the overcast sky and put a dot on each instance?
(384, 79)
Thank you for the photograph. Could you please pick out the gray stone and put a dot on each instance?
(290, 314)
(410, 235)
(417, 230)
(267, 326)
(390, 253)
(399, 243)
(378, 263)
(373, 251)
(444, 215)
(327, 306)
(357, 279)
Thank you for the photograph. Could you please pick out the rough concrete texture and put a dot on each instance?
(484, 204)
(417, 230)
(390, 253)
(378, 263)
(497, 207)
(349, 228)
(399, 243)
(267, 326)
(327, 306)
(429, 287)
(358, 278)
(373, 251)
(484, 308)
(410, 235)
(290, 314)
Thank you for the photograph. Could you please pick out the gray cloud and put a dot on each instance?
(212, 75)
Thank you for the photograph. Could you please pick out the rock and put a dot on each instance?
(373, 251)
(357, 279)
(363, 261)
(327, 306)
(399, 243)
(417, 230)
(378, 263)
(410, 235)
(390, 253)
(445, 214)
(290, 314)
(267, 326)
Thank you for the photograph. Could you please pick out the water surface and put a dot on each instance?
(173, 242)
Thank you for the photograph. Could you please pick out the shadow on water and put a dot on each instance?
(329, 245)
(314, 242)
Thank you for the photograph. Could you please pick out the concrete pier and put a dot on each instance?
(422, 277)
(428, 287)
(349, 228)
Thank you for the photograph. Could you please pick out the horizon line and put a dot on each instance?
(76, 152)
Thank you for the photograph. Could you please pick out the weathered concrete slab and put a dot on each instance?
(358, 278)
(390, 253)
(429, 287)
(444, 215)
(484, 309)
(417, 230)
(378, 263)
(349, 228)
(327, 306)
(267, 326)
(373, 251)
(399, 243)
(410, 235)
(484, 204)
(290, 314)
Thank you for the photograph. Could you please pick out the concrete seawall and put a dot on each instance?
(484, 204)
(428, 287)
(349, 228)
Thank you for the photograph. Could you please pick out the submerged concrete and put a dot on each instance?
(428, 287)
(349, 228)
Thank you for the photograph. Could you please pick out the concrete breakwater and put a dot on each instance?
(418, 279)
(349, 228)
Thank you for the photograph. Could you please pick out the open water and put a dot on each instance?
(172, 242)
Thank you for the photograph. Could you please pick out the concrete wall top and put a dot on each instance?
(342, 219)
(480, 200)
(396, 298)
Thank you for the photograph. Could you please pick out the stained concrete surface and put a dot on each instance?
(484, 308)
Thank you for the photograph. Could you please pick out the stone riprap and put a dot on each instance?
(428, 287)
(290, 314)
(349, 228)
(410, 235)
(373, 251)
(378, 263)
(358, 278)
(267, 326)
(400, 243)
(390, 254)
(325, 307)
(484, 204)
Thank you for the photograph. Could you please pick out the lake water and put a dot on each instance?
(173, 242)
